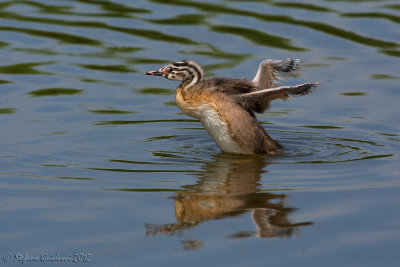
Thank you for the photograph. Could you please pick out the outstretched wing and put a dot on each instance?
(259, 100)
(266, 75)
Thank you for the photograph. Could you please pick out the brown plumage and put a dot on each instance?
(226, 106)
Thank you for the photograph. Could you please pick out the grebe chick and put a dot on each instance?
(226, 106)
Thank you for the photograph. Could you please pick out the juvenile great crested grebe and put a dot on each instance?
(226, 106)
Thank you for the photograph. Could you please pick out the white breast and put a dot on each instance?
(218, 130)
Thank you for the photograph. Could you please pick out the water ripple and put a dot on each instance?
(55, 92)
(315, 148)
(23, 68)
(378, 15)
(257, 37)
(317, 26)
(62, 37)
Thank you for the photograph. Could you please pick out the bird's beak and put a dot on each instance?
(154, 73)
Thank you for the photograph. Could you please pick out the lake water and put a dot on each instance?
(98, 165)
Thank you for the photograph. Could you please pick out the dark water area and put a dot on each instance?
(99, 166)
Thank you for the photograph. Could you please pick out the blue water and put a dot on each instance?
(99, 166)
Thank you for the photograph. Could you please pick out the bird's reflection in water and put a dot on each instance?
(228, 187)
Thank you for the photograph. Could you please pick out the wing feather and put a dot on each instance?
(266, 76)
(258, 101)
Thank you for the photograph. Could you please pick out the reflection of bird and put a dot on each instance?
(226, 106)
(227, 187)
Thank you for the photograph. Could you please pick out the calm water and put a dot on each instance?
(97, 162)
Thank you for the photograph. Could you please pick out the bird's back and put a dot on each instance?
(229, 86)
(235, 88)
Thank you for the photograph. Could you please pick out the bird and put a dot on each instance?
(226, 106)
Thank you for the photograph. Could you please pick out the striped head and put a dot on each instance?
(187, 71)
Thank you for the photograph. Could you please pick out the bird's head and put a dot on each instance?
(185, 71)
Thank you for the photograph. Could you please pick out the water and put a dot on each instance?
(98, 164)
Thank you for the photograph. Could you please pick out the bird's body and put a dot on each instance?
(233, 128)
(226, 106)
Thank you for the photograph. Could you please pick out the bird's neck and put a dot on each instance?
(191, 81)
